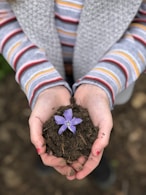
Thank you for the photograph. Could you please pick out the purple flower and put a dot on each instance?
(67, 122)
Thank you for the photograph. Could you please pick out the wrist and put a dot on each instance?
(89, 87)
(86, 91)
(55, 89)
(100, 88)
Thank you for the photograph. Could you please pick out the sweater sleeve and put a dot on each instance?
(123, 63)
(34, 72)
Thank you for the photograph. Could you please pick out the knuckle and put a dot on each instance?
(106, 143)
(33, 140)
(45, 163)
(30, 121)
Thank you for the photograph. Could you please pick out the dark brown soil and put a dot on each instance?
(19, 173)
(68, 145)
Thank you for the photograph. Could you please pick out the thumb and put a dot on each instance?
(101, 142)
(36, 137)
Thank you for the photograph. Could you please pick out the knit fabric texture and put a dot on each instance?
(102, 23)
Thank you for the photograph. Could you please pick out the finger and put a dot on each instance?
(105, 123)
(71, 177)
(67, 171)
(82, 160)
(89, 166)
(36, 137)
(77, 166)
(53, 161)
(101, 142)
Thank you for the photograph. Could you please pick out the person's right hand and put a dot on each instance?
(47, 103)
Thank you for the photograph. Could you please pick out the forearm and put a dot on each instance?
(125, 61)
(33, 70)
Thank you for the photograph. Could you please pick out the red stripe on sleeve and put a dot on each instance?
(119, 65)
(7, 21)
(9, 36)
(19, 54)
(26, 66)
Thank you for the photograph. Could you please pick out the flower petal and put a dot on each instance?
(59, 119)
(72, 128)
(68, 114)
(76, 121)
(62, 129)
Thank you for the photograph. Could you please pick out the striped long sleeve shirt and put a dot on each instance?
(121, 66)
(34, 72)
(124, 62)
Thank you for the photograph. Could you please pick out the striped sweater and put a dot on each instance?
(120, 67)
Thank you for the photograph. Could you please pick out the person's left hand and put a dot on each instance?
(95, 100)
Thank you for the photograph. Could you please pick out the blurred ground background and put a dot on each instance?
(19, 174)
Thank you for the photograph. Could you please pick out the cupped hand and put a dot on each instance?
(47, 103)
(95, 100)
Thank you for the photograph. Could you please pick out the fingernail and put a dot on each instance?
(80, 168)
(72, 173)
(38, 150)
(97, 152)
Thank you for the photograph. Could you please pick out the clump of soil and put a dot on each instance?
(68, 145)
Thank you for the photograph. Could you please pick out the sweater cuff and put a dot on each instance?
(96, 82)
(35, 79)
(101, 76)
(46, 85)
